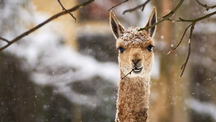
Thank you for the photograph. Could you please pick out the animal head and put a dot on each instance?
(135, 47)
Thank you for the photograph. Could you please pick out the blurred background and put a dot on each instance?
(67, 71)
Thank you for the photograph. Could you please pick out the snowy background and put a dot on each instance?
(44, 78)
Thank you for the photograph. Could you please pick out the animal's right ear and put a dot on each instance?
(116, 27)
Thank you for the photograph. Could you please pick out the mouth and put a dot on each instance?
(137, 70)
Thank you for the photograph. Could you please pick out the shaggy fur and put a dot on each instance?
(135, 53)
(133, 100)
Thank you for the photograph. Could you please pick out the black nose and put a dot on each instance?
(136, 61)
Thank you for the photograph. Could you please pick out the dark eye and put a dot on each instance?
(121, 49)
(150, 48)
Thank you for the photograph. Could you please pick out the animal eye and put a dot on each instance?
(121, 49)
(150, 48)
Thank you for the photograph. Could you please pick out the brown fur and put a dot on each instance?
(134, 90)
(133, 100)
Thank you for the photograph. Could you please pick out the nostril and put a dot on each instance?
(136, 61)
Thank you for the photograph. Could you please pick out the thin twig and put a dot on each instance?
(205, 5)
(128, 74)
(3, 39)
(189, 49)
(63, 8)
(198, 19)
(180, 40)
(139, 6)
(45, 22)
(193, 22)
(118, 4)
(166, 17)
(170, 20)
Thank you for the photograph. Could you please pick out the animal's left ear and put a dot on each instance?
(151, 21)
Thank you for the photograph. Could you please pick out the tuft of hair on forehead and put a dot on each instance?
(132, 36)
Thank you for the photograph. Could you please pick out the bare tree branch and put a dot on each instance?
(4, 40)
(180, 40)
(193, 22)
(137, 7)
(45, 22)
(198, 19)
(166, 17)
(189, 49)
(205, 5)
(118, 4)
(63, 8)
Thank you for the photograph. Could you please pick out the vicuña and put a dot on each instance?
(135, 62)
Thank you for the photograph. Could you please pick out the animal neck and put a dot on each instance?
(133, 99)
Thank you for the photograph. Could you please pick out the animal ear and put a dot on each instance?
(151, 21)
(116, 27)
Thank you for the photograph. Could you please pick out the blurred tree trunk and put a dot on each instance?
(203, 80)
(17, 95)
(169, 91)
(76, 113)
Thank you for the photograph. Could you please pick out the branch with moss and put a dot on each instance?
(42, 24)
